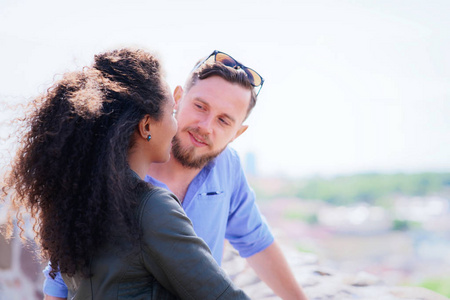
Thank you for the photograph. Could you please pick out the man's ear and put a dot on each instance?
(144, 126)
(177, 95)
(239, 132)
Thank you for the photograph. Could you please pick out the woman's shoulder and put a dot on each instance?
(157, 201)
(157, 194)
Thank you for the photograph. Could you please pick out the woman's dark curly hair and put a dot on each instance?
(71, 171)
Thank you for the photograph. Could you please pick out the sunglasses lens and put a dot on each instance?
(226, 60)
(254, 77)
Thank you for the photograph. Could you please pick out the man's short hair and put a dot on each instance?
(209, 69)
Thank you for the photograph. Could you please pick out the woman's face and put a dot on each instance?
(163, 131)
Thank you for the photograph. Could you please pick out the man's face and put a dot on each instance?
(209, 116)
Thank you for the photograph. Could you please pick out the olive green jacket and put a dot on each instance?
(170, 261)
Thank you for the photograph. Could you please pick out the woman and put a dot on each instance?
(79, 171)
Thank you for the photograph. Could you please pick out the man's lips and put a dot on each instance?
(197, 140)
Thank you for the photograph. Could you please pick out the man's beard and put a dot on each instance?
(186, 155)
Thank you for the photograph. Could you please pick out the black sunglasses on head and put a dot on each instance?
(253, 76)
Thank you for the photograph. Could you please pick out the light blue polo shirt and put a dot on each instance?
(221, 205)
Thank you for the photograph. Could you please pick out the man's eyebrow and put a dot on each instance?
(201, 100)
(207, 104)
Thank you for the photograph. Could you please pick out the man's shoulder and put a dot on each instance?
(226, 163)
(227, 167)
(228, 155)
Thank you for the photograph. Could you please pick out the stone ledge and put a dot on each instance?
(21, 278)
(319, 282)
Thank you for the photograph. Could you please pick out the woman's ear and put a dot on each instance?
(144, 126)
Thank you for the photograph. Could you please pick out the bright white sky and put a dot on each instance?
(351, 86)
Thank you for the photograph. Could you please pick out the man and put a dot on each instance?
(207, 177)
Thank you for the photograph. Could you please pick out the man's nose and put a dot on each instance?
(205, 125)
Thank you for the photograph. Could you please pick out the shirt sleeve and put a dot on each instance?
(247, 230)
(54, 287)
(176, 256)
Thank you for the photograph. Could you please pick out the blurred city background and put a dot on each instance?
(395, 226)
(348, 146)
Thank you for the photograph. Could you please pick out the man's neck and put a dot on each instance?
(176, 176)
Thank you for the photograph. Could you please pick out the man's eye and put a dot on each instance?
(223, 121)
(199, 106)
